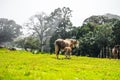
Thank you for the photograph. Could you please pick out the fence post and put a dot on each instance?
(110, 53)
(106, 56)
(102, 53)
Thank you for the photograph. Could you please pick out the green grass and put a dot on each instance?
(22, 65)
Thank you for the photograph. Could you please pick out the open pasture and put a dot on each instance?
(22, 65)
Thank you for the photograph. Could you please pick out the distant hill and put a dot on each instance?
(101, 19)
(111, 16)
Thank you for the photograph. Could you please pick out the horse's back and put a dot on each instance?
(60, 43)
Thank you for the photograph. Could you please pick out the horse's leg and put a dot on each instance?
(117, 54)
(57, 54)
(114, 55)
(65, 52)
(57, 51)
(69, 54)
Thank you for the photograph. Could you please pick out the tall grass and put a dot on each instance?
(22, 65)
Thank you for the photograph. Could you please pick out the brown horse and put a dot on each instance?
(67, 51)
(62, 43)
(116, 51)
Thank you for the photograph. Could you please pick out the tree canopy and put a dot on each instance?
(9, 30)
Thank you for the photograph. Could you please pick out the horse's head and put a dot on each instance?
(75, 42)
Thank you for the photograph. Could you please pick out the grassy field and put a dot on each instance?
(22, 65)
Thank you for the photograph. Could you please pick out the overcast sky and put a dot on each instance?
(21, 10)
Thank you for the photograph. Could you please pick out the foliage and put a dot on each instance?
(8, 30)
(19, 42)
(63, 26)
(96, 33)
(116, 32)
(30, 42)
(41, 26)
(65, 23)
(22, 65)
(84, 29)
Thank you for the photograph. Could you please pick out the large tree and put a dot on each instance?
(41, 26)
(92, 41)
(116, 32)
(8, 30)
(61, 18)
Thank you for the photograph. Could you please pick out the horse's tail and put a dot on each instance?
(57, 45)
